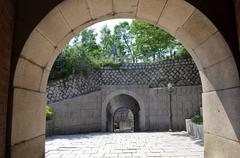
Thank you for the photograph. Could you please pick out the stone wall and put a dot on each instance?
(87, 113)
(185, 102)
(80, 102)
(178, 72)
(80, 114)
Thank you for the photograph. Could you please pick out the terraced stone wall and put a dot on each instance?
(153, 75)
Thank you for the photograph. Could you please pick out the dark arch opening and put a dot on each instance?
(123, 120)
(122, 101)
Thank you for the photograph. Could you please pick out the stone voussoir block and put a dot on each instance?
(125, 6)
(195, 30)
(220, 76)
(100, 8)
(33, 148)
(52, 22)
(213, 50)
(222, 106)
(37, 49)
(27, 75)
(150, 10)
(215, 146)
(76, 12)
(29, 115)
(175, 14)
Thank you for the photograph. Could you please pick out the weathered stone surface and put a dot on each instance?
(29, 149)
(218, 147)
(175, 14)
(54, 21)
(150, 10)
(76, 12)
(195, 30)
(220, 76)
(52, 59)
(29, 115)
(125, 6)
(208, 50)
(44, 80)
(38, 49)
(221, 113)
(100, 8)
(76, 115)
(28, 75)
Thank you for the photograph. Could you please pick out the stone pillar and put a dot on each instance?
(28, 130)
(221, 123)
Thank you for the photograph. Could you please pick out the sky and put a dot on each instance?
(110, 23)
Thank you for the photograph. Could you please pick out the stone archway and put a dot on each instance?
(194, 30)
(134, 98)
(122, 101)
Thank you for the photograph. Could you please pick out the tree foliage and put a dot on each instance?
(128, 43)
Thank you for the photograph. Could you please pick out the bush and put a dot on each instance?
(113, 66)
(197, 119)
(49, 112)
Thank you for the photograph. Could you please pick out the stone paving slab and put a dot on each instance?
(124, 145)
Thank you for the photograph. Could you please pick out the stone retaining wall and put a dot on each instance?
(79, 114)
(178, 72)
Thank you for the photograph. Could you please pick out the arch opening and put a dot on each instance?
(122, 104)
(124, 120)
(194, 30)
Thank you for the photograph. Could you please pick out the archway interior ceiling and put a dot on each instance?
(123, 101)
(30, 13)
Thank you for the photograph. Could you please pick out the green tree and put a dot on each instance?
(151, 42)
(125, 39)
(77, 57)
(128, 43)
(107, 42)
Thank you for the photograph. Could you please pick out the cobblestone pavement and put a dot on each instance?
(123, 145)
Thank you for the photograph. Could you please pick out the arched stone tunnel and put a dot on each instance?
(37, 31)
(122, 101)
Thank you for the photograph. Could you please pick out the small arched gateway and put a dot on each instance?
(137, 107)
(119, 102)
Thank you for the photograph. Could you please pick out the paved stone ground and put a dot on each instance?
(123, 145)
